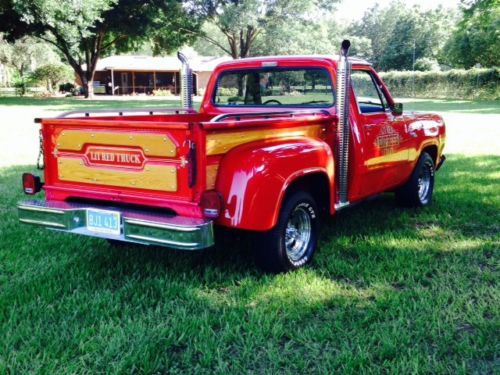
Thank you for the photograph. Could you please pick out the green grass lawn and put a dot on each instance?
(72, 103)
(76, 103)
(453, 106)
(391, 290)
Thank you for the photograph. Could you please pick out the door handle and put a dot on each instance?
(369, 126)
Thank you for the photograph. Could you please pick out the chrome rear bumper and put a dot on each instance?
(136, 226)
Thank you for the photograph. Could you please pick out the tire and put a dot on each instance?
(417, 191)
(293, 241)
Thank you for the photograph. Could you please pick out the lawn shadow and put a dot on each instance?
(387, 284)
(376, 242)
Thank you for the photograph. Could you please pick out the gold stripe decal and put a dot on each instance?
(212, 175)
(153, 177)
(220, 143)
(159, 145)
(399, 156)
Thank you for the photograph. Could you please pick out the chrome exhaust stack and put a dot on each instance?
(343, 126)
(186, 82)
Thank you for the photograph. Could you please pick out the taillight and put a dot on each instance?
(31, 184)
(211, 204)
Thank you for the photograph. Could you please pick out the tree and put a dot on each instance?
(401, 35)
(51, 75)
(242, 22)
(476, 39)
(85, 30)
(24, 56)
(298, 37)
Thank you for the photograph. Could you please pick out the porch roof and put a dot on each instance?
(157, 63)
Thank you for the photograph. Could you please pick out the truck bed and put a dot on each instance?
(163, 160)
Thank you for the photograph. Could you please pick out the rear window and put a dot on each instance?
(291, 87)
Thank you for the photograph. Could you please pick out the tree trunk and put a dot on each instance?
(88, 88)
(87, 79)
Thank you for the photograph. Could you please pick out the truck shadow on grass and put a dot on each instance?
(376, 240)
(390, 288)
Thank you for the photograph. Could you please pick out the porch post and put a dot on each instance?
(112, 82)
(133, 82)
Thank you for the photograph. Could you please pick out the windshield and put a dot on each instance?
(296, 87)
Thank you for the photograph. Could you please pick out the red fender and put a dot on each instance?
(253, 178)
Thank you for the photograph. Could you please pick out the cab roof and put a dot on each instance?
(300, 59)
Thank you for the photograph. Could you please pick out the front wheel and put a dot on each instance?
(417, 191)
(293, 241)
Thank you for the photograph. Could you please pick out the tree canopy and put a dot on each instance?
(401, 35)
(85, 30)
(477, 36)
(239, 23)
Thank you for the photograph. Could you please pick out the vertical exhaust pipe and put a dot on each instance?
(186, 82)
(343, 127)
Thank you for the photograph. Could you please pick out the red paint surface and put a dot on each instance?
(253, 177)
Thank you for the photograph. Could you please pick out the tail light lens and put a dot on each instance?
(211, 204)
(31, 184)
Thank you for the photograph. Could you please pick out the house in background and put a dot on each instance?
(131, 75)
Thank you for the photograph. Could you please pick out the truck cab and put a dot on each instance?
(277, 142)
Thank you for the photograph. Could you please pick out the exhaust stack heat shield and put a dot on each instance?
(343, 127)
(186, 82)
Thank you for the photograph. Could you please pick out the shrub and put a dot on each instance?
(454, 84)
(425, 64)
(21, 87)
(67, 87)
(51, 75)
(228, 91)
(162, 92)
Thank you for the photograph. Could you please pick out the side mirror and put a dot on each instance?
(397, 109)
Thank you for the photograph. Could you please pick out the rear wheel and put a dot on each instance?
(417, 191)
(293, 241)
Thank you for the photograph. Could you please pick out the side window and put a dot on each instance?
(368, 95)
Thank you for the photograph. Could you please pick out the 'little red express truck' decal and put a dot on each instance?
(117, 157)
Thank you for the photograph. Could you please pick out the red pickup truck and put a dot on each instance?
(277, 142)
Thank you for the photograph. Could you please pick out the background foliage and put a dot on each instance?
(394, 37)
(453, 84)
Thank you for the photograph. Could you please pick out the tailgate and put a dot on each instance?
(128, 161)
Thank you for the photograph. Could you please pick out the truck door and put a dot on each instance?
(383, 145)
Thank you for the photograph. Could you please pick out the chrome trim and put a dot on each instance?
(341, 206)
(186, 82)
(45, 223)
(165, 242)
(343, 125)
(39, 209)
(270, 115)
(137, 226)
(120, 112)
(298, 234)
(161, 226)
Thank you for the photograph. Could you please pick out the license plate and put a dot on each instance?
(101, 221)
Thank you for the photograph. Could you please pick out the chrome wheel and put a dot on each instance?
(298, 233)
(424, 182)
